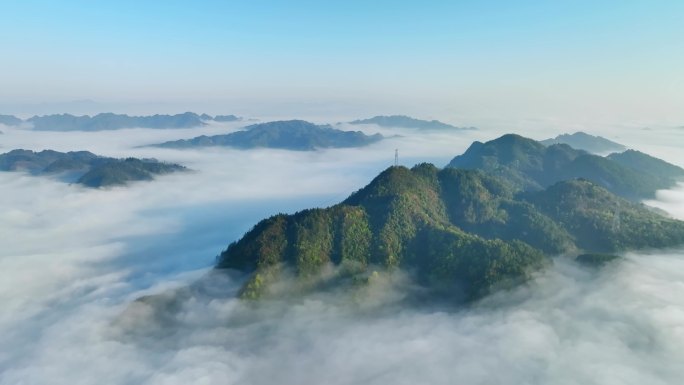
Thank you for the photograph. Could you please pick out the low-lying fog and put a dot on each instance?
(72, 259)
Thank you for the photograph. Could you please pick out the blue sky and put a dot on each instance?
(555, 57)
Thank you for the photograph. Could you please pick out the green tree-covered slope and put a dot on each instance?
(529, 165)
(460, 232)
(602, 222)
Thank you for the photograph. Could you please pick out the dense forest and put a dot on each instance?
(462, 233)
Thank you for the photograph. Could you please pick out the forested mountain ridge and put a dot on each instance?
(459, 232)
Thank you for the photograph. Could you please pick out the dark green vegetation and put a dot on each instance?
(9, 120)
(121, 171)
(529, 165)
(408, 122)
(290, 135)
(586, 142)
(602, 222)
(461, 233)
(85, 167)
(110, 121)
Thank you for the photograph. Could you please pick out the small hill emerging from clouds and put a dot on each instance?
(85, 167)
(583, 141)
(402, 121)
(460, 233)
(296, 135)
(529, 165)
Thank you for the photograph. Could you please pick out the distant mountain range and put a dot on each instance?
(296, 135)
(402, 121)
(583, 141)
(110, 121)
(530, 165)
(84, 167)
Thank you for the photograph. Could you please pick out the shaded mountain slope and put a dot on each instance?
(601, 221)
(647, 164)
(529, 165)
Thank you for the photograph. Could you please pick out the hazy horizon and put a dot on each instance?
(613, 62)
(68, 282)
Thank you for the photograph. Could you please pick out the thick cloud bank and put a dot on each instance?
(73, 259)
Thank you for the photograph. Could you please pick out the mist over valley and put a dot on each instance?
(78, 261)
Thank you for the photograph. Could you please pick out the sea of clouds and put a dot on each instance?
(73, 260)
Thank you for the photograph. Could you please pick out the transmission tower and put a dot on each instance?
(396, 157)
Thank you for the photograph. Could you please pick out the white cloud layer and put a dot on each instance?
(72, 259)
